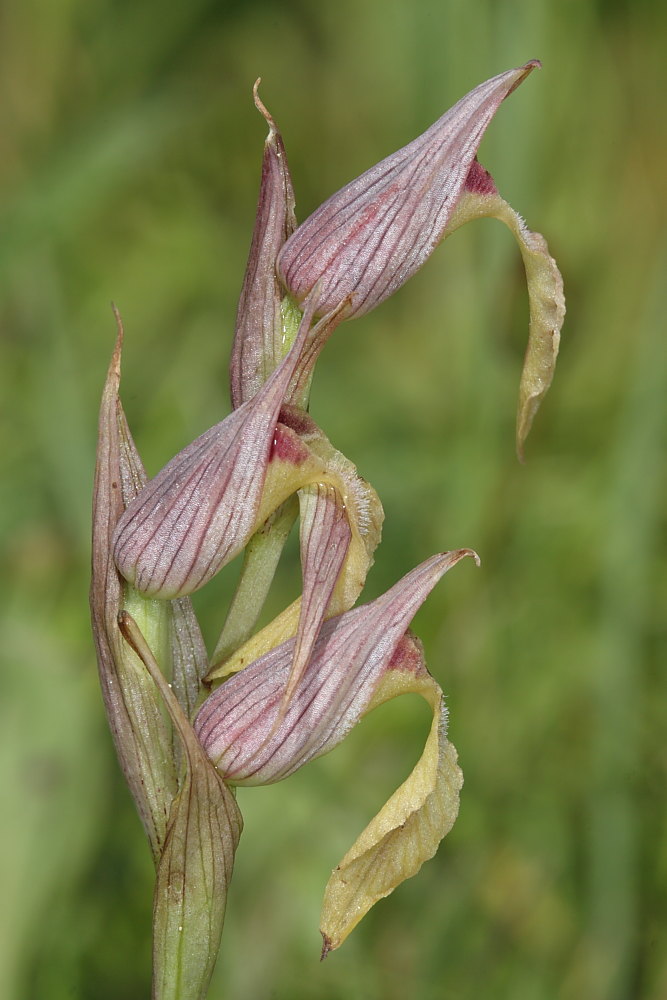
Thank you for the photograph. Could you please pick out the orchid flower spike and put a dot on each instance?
(291, 691)
(365, 242)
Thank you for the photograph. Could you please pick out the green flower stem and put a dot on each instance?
(260, 562)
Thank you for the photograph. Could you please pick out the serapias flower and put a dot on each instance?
(203, 507)
(365, 242)
(360, 659)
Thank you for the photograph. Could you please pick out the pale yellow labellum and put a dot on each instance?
(545, 293)
(407, 830)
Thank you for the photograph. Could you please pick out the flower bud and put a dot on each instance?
(260, 337)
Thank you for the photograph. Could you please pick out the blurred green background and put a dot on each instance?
(129, 163)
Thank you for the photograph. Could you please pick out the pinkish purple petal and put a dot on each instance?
(325, 539)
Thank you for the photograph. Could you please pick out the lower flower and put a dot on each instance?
(361, 659)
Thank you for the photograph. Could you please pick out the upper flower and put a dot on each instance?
(372, 235)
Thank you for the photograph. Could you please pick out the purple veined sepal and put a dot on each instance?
(350, 655)
(206, 503)
(266, 323)
(366, 240)
(360, 659)
(325, 536)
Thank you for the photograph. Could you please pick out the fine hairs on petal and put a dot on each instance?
(361, 493)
